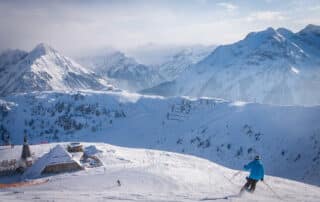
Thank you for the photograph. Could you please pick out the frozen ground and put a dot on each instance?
(150, 175)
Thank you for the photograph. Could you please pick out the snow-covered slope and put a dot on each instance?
(271, 66)
(43, 69)
(150, 175)
(224, 132)
(179, 62)
(122, 71)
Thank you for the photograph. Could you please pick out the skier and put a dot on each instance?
(256, 174)
(119, 183)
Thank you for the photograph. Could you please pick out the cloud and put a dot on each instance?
(266, 16)
(314, 8)
(72, 26)
(228, 6)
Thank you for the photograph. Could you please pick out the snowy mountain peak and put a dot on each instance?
(311, 35)
(256, 39)
(264, 33)
(311, 29)
(119, 57)
(42, 49)
(45, 69)
(122, 71)
(181, 61)
(270, 30)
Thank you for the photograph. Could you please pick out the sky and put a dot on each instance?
(75, 26)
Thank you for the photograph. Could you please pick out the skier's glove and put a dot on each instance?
(261, 179)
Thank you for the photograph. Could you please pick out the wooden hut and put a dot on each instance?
(58, 160)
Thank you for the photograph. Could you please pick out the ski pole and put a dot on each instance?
(230, 180)
(234, 175)
(267, 185)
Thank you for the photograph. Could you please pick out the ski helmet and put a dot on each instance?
(257, 157)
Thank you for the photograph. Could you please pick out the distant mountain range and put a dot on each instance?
(126, 73)
(45, 69)
(122, 71)
(271, 66)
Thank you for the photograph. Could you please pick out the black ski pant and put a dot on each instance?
(250, 184)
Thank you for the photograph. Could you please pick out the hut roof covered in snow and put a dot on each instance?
(55, 161)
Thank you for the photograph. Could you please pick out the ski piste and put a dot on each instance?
(242, 191)
(146, 175)
(227, 196)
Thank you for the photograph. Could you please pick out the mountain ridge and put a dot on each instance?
(128, 74)
(266, 66)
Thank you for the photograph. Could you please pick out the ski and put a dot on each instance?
(220, 198)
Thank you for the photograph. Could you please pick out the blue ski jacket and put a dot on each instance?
(256, 170)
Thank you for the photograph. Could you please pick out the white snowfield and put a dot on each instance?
(150, 175)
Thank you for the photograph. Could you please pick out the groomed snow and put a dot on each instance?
(150, 175)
